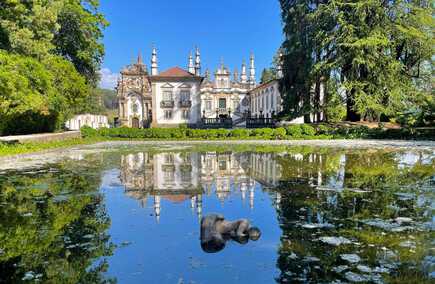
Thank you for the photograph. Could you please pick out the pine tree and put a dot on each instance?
(373, 50)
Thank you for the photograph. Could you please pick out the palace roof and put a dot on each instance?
(176, 72)
(264, 85)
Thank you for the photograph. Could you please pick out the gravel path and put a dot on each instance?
(38, 159)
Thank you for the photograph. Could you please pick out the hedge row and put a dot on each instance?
(297, 131)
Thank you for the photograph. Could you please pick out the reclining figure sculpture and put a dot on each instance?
(216, 231)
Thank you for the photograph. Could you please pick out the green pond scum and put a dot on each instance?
(131, 214)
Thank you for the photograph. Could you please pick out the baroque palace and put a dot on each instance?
(177, 96)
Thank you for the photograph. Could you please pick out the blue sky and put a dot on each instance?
(227, 28)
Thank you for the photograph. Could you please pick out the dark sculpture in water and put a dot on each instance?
(216, 231)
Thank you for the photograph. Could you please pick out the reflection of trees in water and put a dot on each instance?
(338, 211)
(53, 226)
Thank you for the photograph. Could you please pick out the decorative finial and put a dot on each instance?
(236, 75)
(154, 65)
(191, 66)
(197, 62)
(139, 58)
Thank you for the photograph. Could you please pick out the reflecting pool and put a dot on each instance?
(133, 214)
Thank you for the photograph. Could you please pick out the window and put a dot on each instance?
(186, 176)
(222, 103)
(185, 96)
(271, 101)
(168, 114)
(135, 108)
(267, 101)
(168, 176)
(169, 158)
(222, 165)
(208, 105)
(167, 95)
(186, 114)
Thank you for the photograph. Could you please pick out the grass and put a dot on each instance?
(31, 147)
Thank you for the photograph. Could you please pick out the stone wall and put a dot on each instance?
(45, 137)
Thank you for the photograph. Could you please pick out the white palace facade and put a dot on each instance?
(179, 177)
(177, 96)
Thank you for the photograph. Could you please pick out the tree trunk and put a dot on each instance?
(351, 115)
(317, 115)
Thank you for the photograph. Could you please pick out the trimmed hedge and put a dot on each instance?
(297, 131)
(187, 133)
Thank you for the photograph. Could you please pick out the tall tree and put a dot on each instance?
(50, 54)
(374, 50)
(79, 36)
(267, 75)
(297, 60)
(70, 28)
(28, 27)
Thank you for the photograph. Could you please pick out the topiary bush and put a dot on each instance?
(240, 133)
(323, 130)
(308, 130)
(88, 132)
(262, 133)
(279, 133)
(222, 133)
(294, 130)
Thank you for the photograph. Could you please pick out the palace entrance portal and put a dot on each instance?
(135, 122)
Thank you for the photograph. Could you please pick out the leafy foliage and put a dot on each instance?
(373, 54)
(267, 75)
(297, 131)
(50, 53)
(38, 96)
(79, 35)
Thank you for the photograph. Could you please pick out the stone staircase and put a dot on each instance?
(239, 122)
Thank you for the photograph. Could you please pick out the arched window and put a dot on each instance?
(267, 102)
(271, 101)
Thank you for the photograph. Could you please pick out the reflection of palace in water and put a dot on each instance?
(178, 177)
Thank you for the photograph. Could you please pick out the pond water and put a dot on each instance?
(132, 215)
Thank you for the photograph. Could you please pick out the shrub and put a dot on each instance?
(195, 133)
(262, 132)
(294, 130)
(279, 132)
(178, 133)
(87, 132)
(240, 133)
(222, 133)
(358, 132)
(183, 126)
(308, 130)
(323, 129)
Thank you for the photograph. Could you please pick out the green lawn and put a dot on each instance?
(29, 147)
